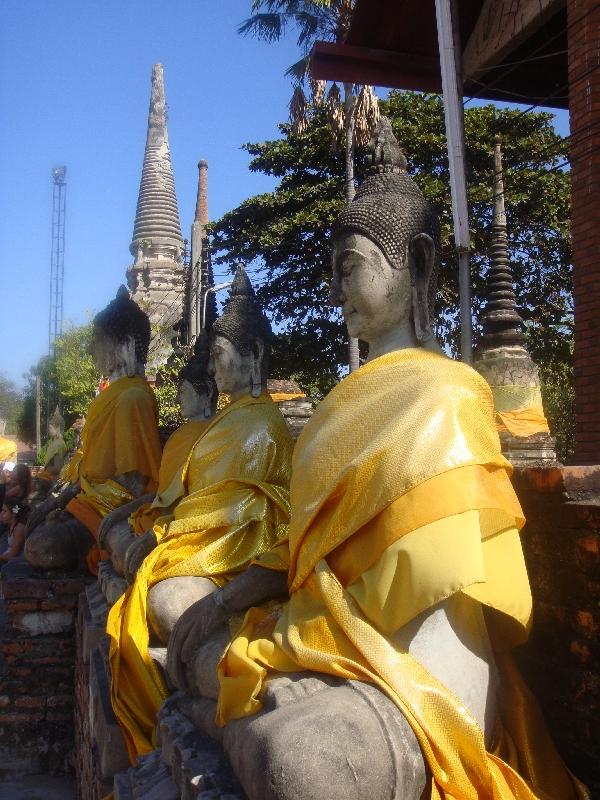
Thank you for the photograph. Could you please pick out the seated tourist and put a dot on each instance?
(13, 515)
(407, 583)
(120, 446)
(127, 533)
(235, 508)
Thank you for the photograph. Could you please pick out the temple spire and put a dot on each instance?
(157, 227)
(502, 323)
(502, 357)
(156, 277)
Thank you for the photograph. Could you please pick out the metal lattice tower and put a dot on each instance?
(57, 259)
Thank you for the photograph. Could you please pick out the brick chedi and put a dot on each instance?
(502, 357)
(156, 277)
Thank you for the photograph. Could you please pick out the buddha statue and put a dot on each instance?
(55, 450)
(127, 532)
(387, 671)
(120, 446)
(235, 509)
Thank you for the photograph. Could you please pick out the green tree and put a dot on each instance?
(68, 380)
(75, 373)
(285, 234)
(11, 402)
(352, 120)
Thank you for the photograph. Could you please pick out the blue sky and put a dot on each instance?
(75, 90)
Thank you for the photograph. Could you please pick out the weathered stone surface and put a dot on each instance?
(107, 735)
(364, 748)
(112, 585)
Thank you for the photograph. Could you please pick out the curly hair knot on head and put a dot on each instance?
(123, 318)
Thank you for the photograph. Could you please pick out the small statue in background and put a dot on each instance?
(120, 446)
(56, 448)
(235, 510)
(127, 533)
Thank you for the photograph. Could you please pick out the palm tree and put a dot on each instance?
(352, 118)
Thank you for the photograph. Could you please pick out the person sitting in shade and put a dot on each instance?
(235, 508)
(13, 515)
(407, 583)
(127, 532)
(120, 446)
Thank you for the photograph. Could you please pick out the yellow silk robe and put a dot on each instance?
(236, 507)
(120, 435)
(403, 458)
(8, 449)
(174, 460)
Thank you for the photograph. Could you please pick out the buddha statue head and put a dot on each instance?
(241, 342)
(56, 424)
(121, 337)
(386, 254)
(197, 392)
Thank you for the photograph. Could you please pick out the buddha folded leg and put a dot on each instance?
(58, 544)
(168, 600)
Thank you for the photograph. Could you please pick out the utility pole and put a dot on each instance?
(57, 259)
(38, 415)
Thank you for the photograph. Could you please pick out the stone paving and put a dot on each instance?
(37, 787)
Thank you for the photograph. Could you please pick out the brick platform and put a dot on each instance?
(561, 661)
(37, 654)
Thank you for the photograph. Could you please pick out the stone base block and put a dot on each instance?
(108, 738)
(111, 584)
(150, 780)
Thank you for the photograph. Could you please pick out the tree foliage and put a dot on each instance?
(11, 401)
(284, 235)
(68, 380)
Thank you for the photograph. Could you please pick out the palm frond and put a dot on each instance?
(269, 27)
(317, 88)
(366, 115)
(299, 70)
(299, 111)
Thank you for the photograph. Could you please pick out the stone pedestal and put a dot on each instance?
(510, 369)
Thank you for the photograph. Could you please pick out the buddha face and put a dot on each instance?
(374, 297)
(232, 371)
(193, 403)
(113, 358)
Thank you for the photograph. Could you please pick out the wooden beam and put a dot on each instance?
(348, 63)
(501, 27)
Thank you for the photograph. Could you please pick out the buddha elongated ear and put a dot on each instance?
(258, 353)
(421, 263)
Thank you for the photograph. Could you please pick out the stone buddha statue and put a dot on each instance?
(127, 532)
(56, 449)
(234, 509)
(387, 671)
(120, 446)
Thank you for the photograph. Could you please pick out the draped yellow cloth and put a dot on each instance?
(8, 449)
(519, 410)
(120, 435)
(236, 507)
(403, 458)
(70, 471)
(172, 464)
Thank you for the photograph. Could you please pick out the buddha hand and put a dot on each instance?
(39, 514)
(107, 522)
(193, 628)
(136, 553)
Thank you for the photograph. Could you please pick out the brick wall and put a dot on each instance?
(37, 658)
(583, 18)
(561, 661)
